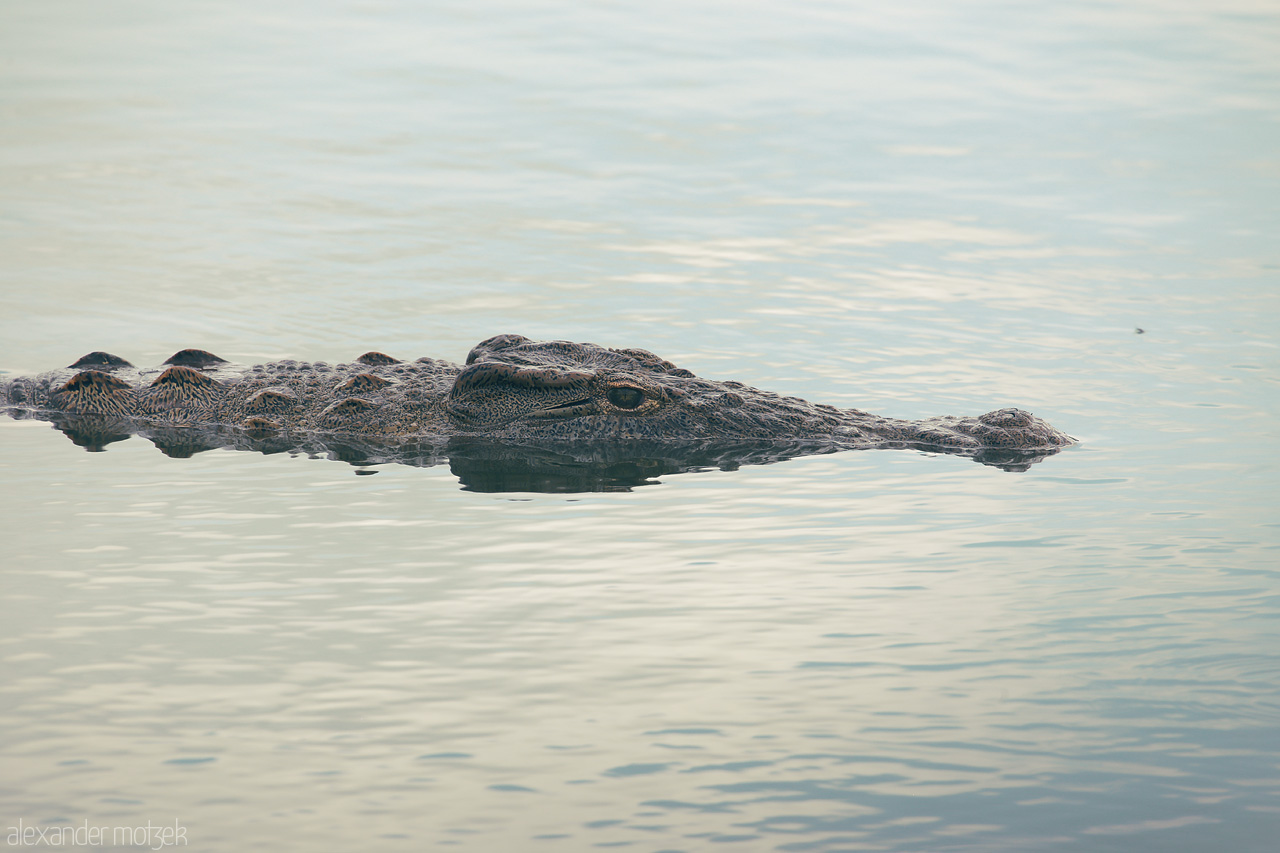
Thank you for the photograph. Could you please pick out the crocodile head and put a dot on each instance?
(514, 387)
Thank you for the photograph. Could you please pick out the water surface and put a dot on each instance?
(915, 210)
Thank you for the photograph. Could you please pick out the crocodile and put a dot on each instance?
(511, 391)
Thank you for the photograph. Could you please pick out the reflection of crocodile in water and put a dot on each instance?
(582, 403)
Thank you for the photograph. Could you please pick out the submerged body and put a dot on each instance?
(510, 389)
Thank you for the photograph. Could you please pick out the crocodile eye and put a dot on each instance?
(625, 398)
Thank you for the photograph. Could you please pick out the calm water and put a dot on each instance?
(917, 209)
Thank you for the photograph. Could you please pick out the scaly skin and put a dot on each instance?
(511, 389)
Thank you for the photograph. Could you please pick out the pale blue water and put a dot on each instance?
(922, 209)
